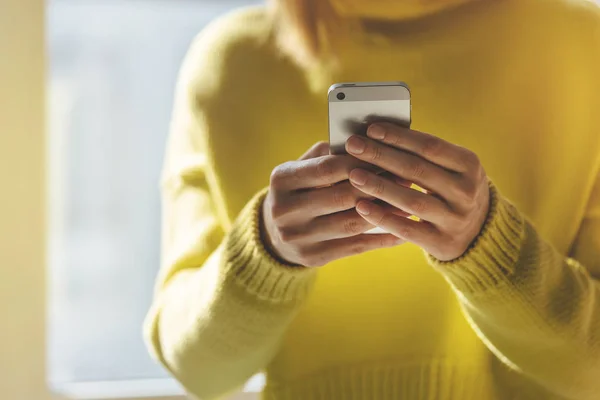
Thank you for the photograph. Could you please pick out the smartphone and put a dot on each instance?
(354, 106)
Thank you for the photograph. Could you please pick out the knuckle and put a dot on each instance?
(342, 196)
(352, 226)
(418, 205)
(358, 247)
(431, 147)
(471, 161)
(416, 170)
(325, 168)
(380, 219)
(378, 187)
(405, 232)
(387, 241)
(279, 175)
(395, 139)
(376, 153)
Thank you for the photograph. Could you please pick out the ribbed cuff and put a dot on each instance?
(252, 266)
(493, 256)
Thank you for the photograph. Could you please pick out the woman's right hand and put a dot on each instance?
(308, 216)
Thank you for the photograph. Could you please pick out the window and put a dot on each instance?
(113, 66)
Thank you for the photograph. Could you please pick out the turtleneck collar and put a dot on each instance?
(371, 38)
(393, 9)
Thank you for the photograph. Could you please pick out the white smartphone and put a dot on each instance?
(354, 106)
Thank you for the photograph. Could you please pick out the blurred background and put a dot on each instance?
(111, 75)
(85, 103)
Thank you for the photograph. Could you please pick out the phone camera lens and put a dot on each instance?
(341, 96)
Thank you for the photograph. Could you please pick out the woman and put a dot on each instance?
(493, 294)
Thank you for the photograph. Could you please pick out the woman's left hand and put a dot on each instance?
(456, 204)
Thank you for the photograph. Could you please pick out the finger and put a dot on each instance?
(389, 209)
(429, 147)
(331, 250)
(318, 149)
(421, 233)
(324, 201)
(397, 179)
(404, 182)
(328, 227)
(314, 172)
(412, 201)
(404, 165)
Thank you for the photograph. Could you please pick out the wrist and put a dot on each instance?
(251, 268)
(267, 239)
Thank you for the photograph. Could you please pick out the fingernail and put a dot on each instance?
(363, 208)
(356, 145)
(359, 176)
(376, 132)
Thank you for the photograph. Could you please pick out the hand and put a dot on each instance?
(455, 205)
(309, 216)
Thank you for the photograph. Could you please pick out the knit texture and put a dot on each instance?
(515, 317)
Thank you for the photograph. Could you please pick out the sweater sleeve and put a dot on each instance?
(535, 309)
(222, 303)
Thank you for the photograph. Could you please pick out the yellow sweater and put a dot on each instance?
(517, 317)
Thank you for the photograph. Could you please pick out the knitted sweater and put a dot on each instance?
(516, 317)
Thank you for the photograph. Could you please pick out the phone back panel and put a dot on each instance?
(353, 106)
